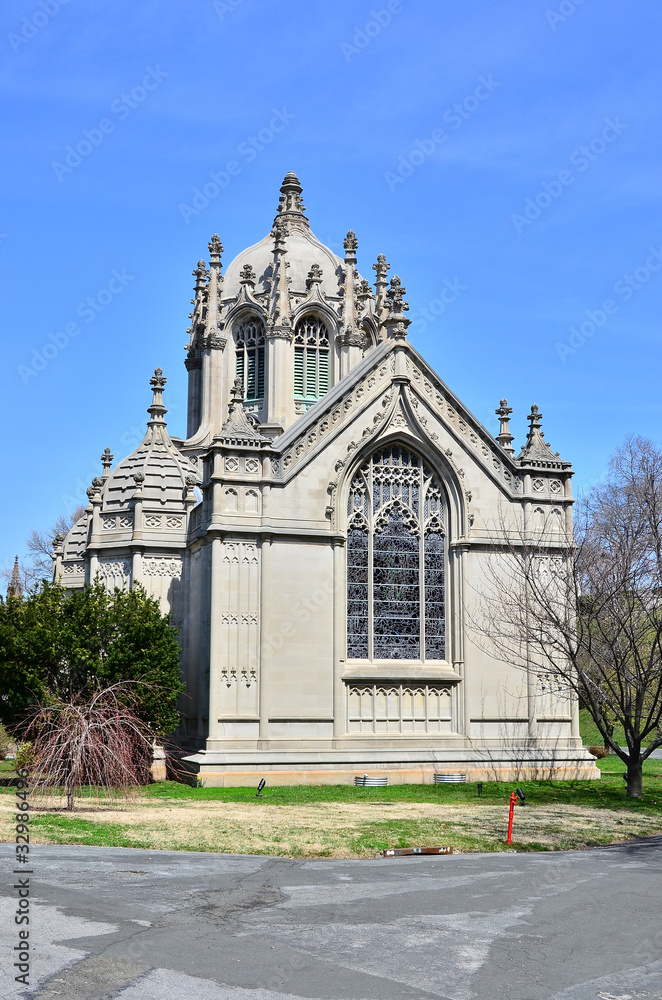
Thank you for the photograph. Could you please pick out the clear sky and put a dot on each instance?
(502, 154)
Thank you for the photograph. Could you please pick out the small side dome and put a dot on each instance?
(156, 467)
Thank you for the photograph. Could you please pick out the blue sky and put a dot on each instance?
(507, 150)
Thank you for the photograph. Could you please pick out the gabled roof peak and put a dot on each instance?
(238, 429)
(537, 452)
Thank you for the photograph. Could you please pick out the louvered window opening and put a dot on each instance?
(311, 360)
(249, 353)
(395, 560)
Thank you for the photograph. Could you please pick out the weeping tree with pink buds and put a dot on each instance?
(95, 740)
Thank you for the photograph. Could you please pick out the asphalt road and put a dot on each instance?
(141, 925)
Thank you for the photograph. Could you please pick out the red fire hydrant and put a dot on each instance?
(514, 796)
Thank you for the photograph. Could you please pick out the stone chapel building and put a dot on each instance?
(322, 532)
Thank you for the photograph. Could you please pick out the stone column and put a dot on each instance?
(215, 637)
(265, 628)
(194, 368)
(457, 559)
(339, 615)
(137, 567)
(279, 377)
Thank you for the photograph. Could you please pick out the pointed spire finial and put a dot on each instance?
(504, 437)
(536, 452)
(106, 461)
(380, 269)
(290, 205)
(535, 420)
(237, 427)
(395, 322)
(157, 410)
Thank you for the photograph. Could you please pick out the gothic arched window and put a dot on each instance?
(395, 560)
(311, 360)
(249, 353)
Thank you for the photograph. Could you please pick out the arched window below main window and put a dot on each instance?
(395, 560)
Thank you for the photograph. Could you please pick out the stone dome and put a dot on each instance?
(163, 474)
(302, 249)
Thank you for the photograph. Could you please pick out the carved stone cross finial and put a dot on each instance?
(535, 419)
(236, 394)
(351, 245)
(381, 267)
(247, 275)
(158, 380)
(106, 461)
(395, 296)
(314, 275)
(215, 250)
(279, 230)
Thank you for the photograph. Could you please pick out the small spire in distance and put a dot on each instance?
(15, 588)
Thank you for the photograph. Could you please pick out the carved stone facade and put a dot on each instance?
(322, 535)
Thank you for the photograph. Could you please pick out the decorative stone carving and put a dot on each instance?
(247, 275)
(350, 243)
(162, 566)
(115, 572)
(73, 569)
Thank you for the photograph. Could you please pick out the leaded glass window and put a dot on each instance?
(249, 354)
(311, 360)
(395, 560)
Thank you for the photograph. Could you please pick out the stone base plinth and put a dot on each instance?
(232, 768)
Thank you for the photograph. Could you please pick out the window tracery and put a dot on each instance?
(395, 560)
(249, 354)
(311, 360)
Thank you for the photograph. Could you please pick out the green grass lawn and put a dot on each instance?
(474, 825)
(608, 793)
(320, 821)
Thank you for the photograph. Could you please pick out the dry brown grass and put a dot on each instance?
(327, 829)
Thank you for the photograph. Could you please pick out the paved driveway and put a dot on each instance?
(141, 925)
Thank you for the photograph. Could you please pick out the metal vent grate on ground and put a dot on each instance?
(449, 779)
(371, 781)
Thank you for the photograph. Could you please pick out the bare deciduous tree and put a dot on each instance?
(590, 619)
(96, 741)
